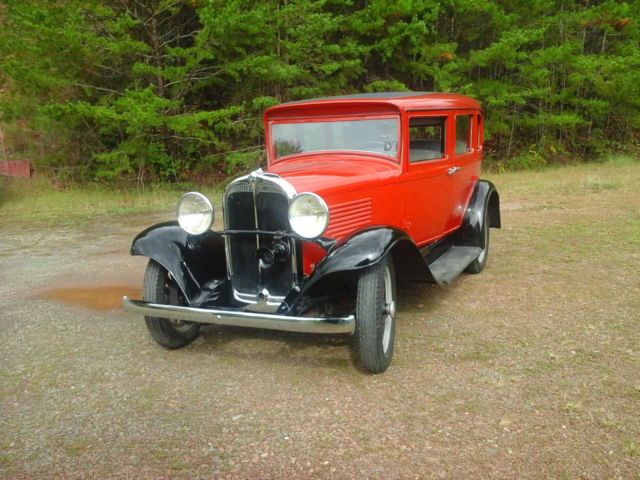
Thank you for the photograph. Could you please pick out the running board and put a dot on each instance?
(448, 266)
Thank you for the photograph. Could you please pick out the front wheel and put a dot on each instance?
(159, 287)
(376, 315)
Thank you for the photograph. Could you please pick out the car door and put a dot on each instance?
(428, 201)
(465, 160)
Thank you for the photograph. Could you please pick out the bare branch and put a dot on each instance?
(93, 87)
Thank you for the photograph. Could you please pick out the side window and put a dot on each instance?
(479, 131)
(463, 133)
(426, 138)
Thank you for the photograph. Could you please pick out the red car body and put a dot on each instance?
(422, 198)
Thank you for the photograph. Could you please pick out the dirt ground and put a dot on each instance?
(529, 370)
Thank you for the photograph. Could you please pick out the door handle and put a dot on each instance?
(453, 170)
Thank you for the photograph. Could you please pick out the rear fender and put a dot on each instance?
(192, 260)
(484, 197)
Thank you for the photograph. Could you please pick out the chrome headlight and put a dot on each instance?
(195, 213)
(308, 215)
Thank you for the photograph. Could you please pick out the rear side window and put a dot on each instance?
(426, 138)
(463, 133)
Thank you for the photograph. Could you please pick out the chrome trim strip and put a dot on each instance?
(263, 303)
(288, 189)
(237, 318)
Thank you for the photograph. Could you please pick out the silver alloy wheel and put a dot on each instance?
(483, 239)
(485, 228)
(388, 310)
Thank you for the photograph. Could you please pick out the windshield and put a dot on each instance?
(379, 136)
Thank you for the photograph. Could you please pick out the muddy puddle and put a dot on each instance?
(96, 298)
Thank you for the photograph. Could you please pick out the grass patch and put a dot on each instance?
(635, 392)
(39, 202)
(6, 459)
(615, 173)
(596, 183)
(178, 466)
(631, 448)
(75, 446)
(479, 353)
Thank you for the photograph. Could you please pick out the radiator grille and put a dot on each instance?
(257, 203)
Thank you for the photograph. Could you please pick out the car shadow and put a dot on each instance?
(333, 351)
(274, 346)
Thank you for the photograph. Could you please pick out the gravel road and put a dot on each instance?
(492, 378)
(87, 394)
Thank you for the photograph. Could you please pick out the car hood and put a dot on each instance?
(330, 174)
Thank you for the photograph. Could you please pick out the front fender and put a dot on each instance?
(367, 248)
(193, 260)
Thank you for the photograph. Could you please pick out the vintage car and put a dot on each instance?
(358, 190)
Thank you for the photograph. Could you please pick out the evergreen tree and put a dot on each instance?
(166, 89)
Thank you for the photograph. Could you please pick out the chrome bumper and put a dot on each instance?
(240, 318)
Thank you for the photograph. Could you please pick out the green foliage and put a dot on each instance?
(524, 160)
(242, 162)
(171, 89)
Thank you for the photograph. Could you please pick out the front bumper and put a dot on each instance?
(241, 318)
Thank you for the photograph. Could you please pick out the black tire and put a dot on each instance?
(160, 288)
(376, 316)
(479, 263)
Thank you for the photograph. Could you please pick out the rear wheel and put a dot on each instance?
(376, 316)
(159, 287)
(478, 264)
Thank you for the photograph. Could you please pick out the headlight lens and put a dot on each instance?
(308, 215)
(195, 213)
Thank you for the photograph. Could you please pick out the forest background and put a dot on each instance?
(174, 90)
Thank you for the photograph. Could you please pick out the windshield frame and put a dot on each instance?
(271, 145)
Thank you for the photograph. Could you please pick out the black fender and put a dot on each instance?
(193, 260)
(364, 249)
(484, 198)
